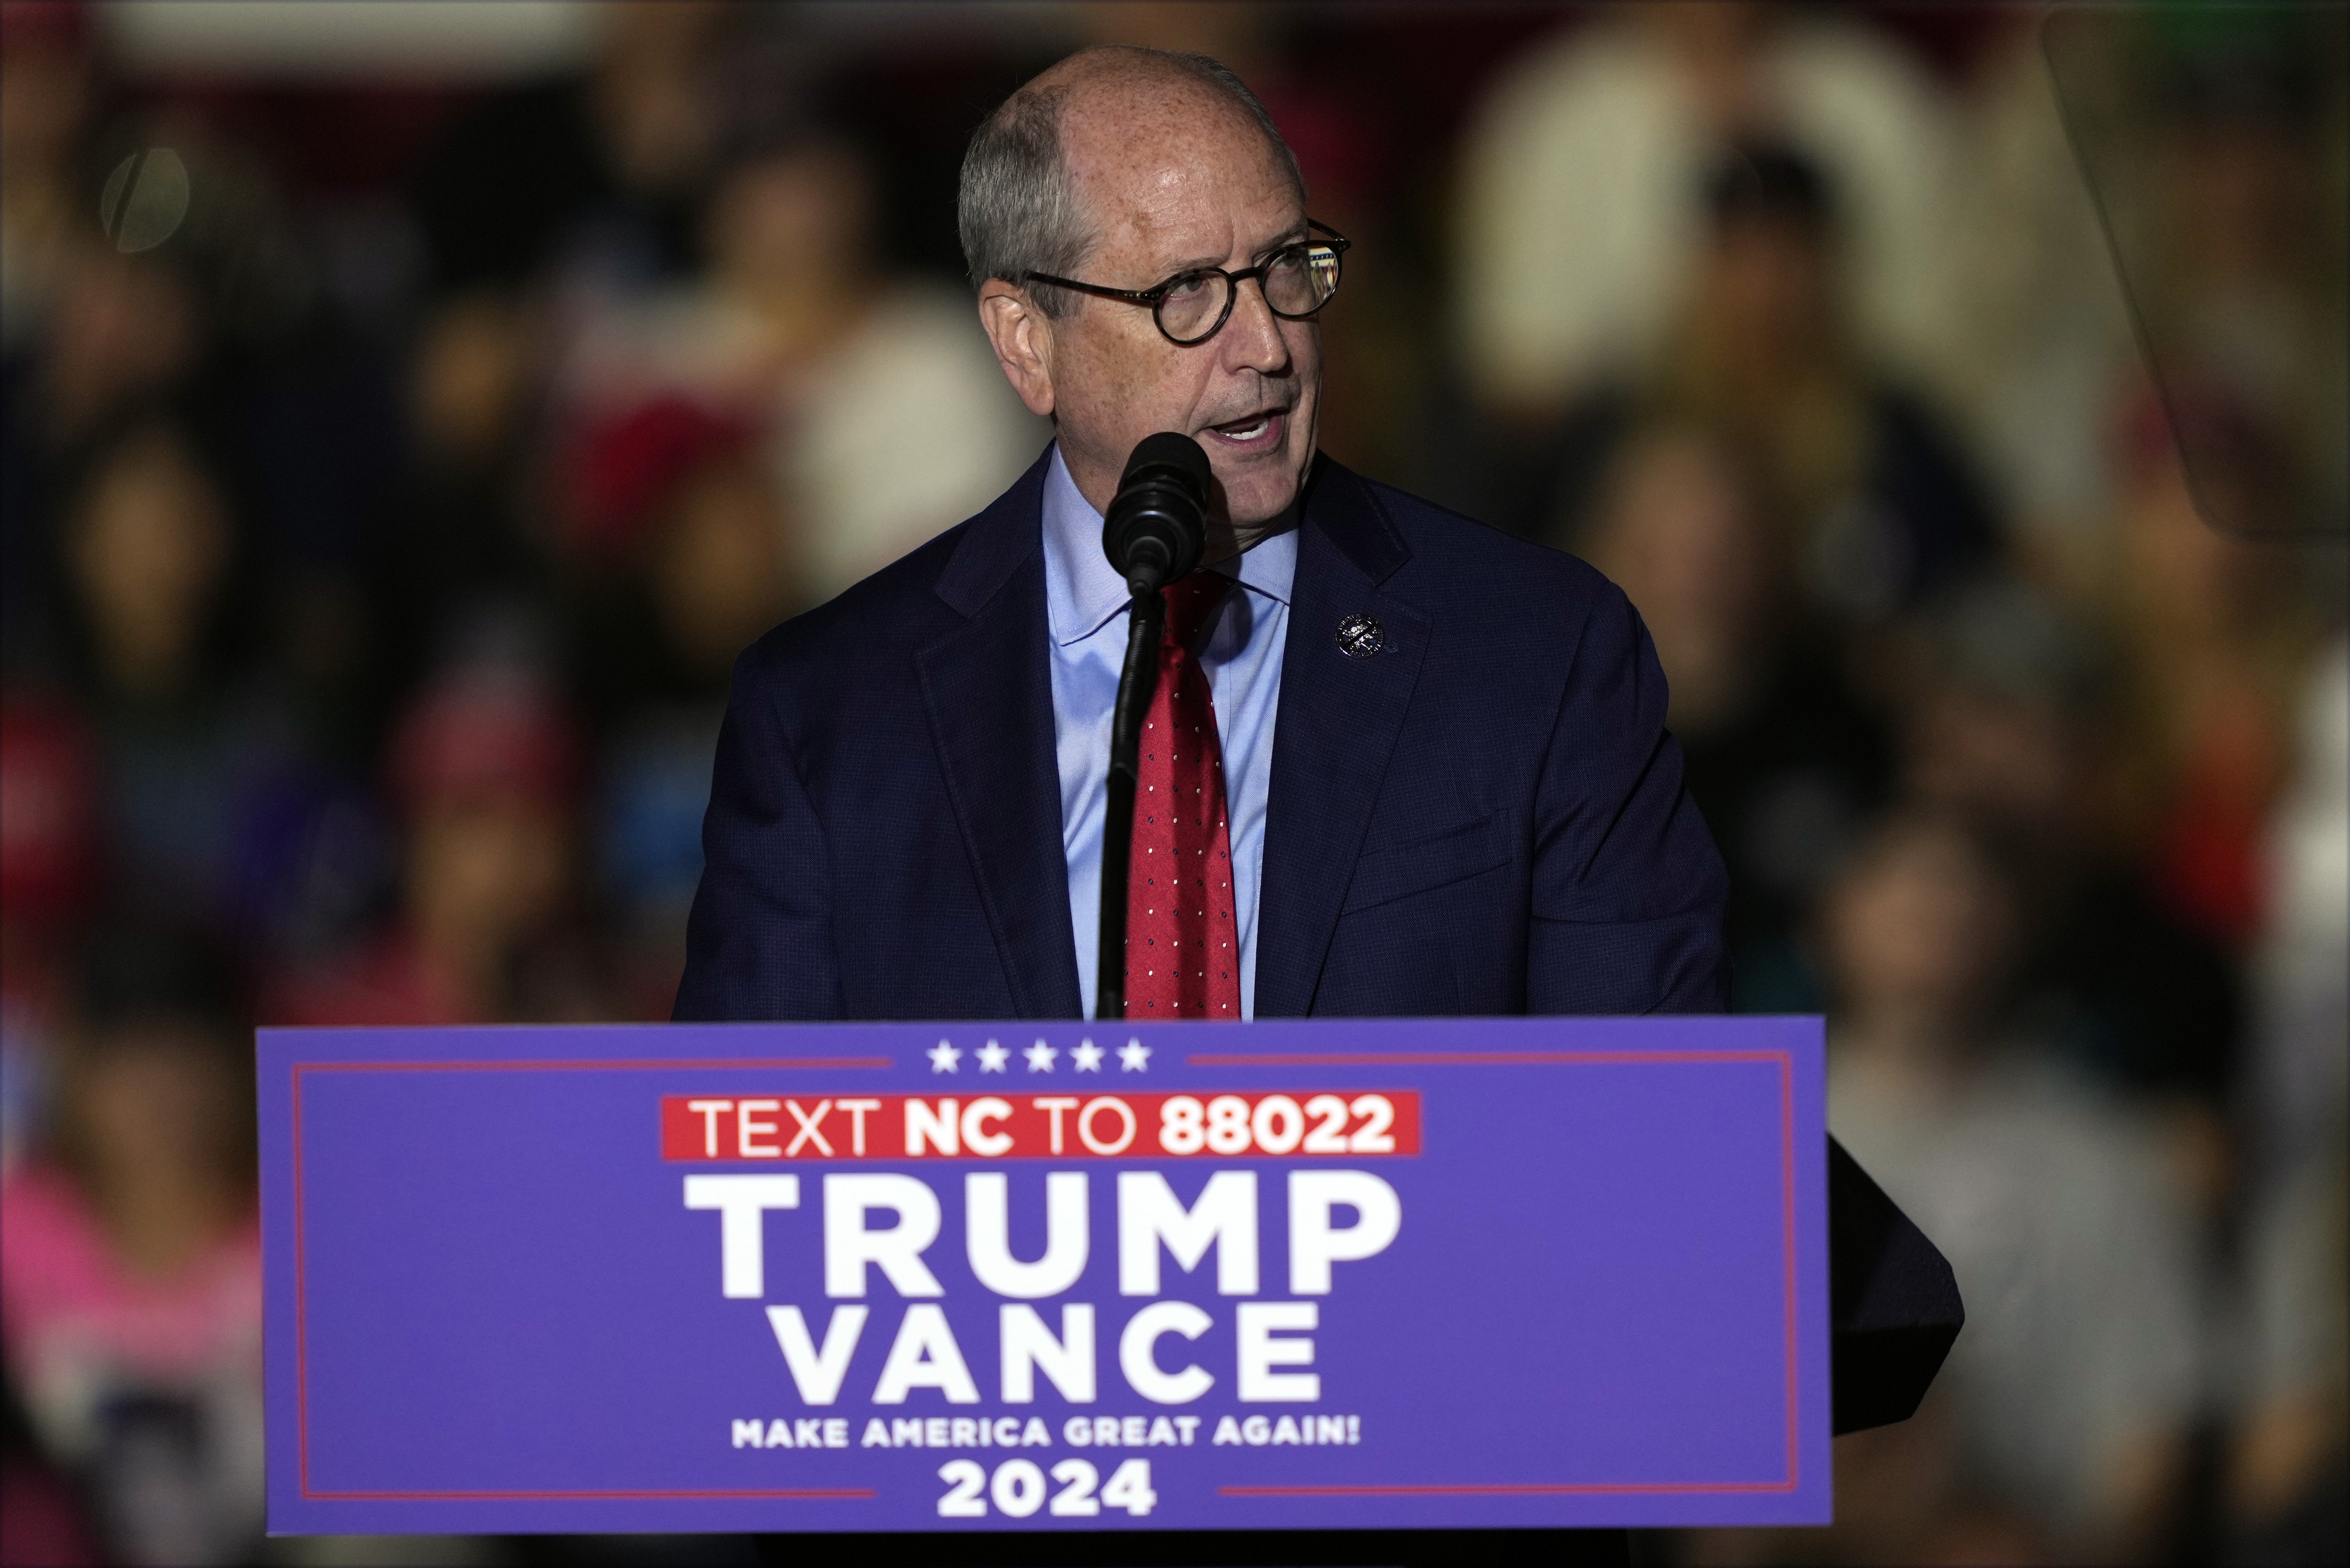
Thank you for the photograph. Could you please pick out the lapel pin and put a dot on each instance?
(1359, 637)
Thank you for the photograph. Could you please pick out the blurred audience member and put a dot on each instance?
(626, 471)
(469, 393)
(2047, 333)
(883, 415)
(2287, 1482)
(1782, 759)
(1576, 240)
(1879, 507)
(545, 201)
(49, 873)
(43, 1522)
(685, 522)
(211, 806)
(2239, 270)
(147, 553)
(49, 841)
(26, 1060)
(2301, 1081)
(190, 734)
(124, 333)
(2013, 727)
(2200, 133)
(469, 541)
(2079, 1372)
(597, 172)
(485, 770)
(2217, 633)
(130, 1302)
(47, 88)
(126, 329)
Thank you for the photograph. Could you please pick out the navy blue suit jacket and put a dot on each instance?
(1487, 816)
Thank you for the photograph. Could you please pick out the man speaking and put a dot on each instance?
(1395, 763)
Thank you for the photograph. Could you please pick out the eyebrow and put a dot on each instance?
(1297, 236)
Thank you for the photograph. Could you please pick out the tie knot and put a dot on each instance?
(1190, 602)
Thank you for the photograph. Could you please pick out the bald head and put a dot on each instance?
(1136, 173)
(1021, 207)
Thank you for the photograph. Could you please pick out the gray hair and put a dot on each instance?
(1018, 208)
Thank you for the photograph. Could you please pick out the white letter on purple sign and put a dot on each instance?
(817, 1374)
(1259, 1352)
(1028, 1346)
(1149, 1212)
(1142, 1367)
(848, 1246)
(987, 1225)
(740, 1201)
(925, 1355)
(1313, 1246)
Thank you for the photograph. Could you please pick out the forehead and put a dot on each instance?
(1174, 169)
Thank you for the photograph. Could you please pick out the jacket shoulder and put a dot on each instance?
(897, 606)
(909, 604)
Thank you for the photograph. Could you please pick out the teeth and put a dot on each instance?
(1247, 432)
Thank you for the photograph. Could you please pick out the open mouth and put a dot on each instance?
(1252, 433)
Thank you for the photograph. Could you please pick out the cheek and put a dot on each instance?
(1133, 374)
(1303, 339)
(1121, 389)
(1306, 357)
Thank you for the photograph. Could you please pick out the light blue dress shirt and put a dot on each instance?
(1085, 605)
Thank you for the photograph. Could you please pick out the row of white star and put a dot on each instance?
(1086, 1056)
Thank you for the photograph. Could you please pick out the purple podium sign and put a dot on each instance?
(1342, 1274)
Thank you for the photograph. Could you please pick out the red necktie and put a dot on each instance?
(1183, 944)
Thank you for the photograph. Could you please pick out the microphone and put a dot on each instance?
(1154, 533)
(1156, 528)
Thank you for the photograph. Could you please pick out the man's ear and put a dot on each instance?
(1022, 336)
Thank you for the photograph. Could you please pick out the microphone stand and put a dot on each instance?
(1136, 682)
(1153, 533)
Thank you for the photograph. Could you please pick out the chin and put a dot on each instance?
(1249, 511)
(1261, 495)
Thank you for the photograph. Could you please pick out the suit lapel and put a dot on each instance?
(988, 687)
(1337, 724)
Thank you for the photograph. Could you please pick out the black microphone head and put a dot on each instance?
(1173, 450)
(1156, 528)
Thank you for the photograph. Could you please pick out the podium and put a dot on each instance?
(1070, 1277)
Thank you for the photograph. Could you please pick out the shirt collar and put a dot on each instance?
(1082, 594)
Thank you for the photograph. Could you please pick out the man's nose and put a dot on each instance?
(1252, 336)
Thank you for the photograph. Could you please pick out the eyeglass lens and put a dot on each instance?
(1297, 282)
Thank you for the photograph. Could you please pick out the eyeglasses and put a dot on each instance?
(1192, 306)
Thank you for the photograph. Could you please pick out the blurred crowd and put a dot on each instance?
(392, 472)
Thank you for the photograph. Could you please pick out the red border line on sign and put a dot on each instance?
(1787, 1233)
(834, 1493)
(1480, 1058)
(650, 1064)
(1786, 1067)
(301, 1306)
(1490, 1058)
(1503, 1488)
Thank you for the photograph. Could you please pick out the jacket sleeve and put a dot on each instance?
(1629, 892)
(759, 942)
